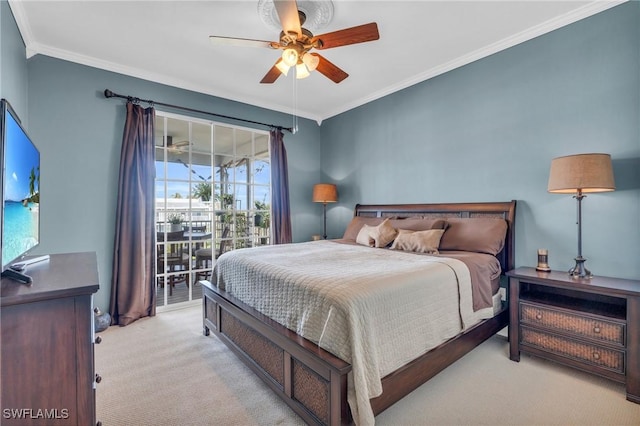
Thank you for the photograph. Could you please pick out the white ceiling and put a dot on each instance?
(168, 42)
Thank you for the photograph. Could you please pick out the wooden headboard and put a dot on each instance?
(503, 210)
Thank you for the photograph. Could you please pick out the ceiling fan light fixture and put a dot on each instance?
(311, 61)
(301, 71)
(284, 68)
(290, 56)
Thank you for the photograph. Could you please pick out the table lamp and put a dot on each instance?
(580, 174)
(325, 193)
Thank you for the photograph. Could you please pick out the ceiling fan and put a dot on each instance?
(178, 146)
(296, 43)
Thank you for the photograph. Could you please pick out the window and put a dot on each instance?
(213, 194)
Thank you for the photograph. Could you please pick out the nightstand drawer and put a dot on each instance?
(578, 325)
(580, 351)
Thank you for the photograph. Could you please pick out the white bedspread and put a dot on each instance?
(374, 308)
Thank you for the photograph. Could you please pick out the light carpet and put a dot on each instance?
(164, 371)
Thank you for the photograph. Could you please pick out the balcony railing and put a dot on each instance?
(182, 257)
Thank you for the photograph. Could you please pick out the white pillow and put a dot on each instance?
(364, 237)
(376, 236)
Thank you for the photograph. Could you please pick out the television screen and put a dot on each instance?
(20, 161)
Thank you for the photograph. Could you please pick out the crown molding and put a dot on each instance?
(93, 62)
(33, 48)
(586, 11)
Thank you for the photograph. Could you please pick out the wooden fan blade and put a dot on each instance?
(241, 42)
(328, 69)
(353, 35)
(272, 75)
(288, 14)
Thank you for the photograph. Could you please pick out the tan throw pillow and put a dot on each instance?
(386, 234)
(377, 236)
(418, 241)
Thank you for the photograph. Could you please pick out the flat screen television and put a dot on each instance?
(20, 216)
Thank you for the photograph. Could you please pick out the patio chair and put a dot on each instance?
(204, 257)
(177, 258)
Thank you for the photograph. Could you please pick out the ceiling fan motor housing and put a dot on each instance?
(287, 40)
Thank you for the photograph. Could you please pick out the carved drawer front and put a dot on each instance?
(596, 328)
(584, 352)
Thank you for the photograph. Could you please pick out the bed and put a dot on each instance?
(330, 353)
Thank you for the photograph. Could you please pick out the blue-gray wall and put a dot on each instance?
(13, 63)
(488, 131)
(484, 132)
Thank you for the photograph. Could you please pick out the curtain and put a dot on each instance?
(280, 210)
(133, 293)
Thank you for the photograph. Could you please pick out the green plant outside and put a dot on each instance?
(203, 191)
(174, 218)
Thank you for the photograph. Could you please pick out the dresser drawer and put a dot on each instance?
(593, 354)
(577, 324)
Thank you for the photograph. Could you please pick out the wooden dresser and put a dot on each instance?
(47, 343)
(591, 324)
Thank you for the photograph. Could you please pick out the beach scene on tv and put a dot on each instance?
(21, 194)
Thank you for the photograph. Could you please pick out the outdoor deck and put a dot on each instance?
(180, 294)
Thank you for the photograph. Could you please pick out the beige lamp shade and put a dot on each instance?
(325, 193)
(581, 173)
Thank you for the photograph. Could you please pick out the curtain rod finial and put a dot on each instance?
(108, 93)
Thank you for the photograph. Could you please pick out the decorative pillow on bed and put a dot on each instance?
(410, 223)
(376, 236)
(418, 241)
(356, 224)
(481, 235)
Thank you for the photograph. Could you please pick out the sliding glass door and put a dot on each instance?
(213, 194)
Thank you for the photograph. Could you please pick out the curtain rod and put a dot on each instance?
(109, 94)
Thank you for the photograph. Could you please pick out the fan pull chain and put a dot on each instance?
(294, 126)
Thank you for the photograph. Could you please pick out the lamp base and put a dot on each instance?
(579, 271)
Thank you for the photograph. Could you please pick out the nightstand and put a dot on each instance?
(589, 324)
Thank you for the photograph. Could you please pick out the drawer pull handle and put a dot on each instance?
(596, 329)
(98, 378)
(538, 316)
(98, 339)
(596, 356)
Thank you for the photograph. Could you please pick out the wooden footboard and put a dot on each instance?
(312, 381)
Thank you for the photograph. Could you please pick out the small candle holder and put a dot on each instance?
(543, 261)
